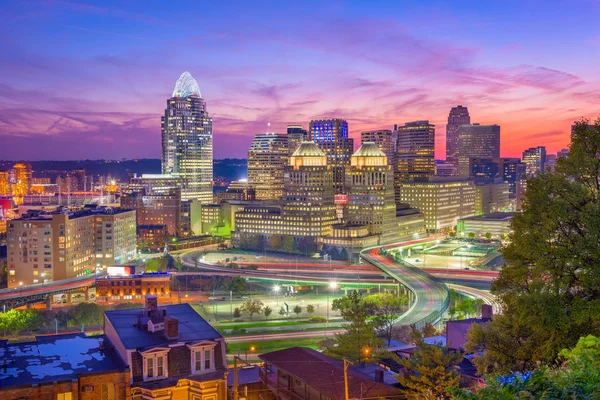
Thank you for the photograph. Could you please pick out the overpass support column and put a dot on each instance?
(87, 294)
(29, 306)
(48, 303)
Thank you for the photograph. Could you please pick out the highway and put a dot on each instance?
(284, 336)
(431, 297)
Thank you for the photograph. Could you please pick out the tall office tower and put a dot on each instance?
(296, 135)
(458, 116)
(550, 162)
(415, 149)
(383, 139)
(308, 194)
(20, 179)
(5, 183)
(267, 159)
(331, 135)
(535, 159)
(370, 188)
(187, 140)
(476, 141)
(513, 171)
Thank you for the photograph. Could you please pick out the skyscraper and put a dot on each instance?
(458, 116)
(535, 159)
(383, 139)
(296, 134)
(476, 141)
(331, 135)
(187, 140)
(414, 152)
(267, 159)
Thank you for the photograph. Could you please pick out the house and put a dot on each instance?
(63, 367)
(300, 373)
(250, 384)
(171, 351)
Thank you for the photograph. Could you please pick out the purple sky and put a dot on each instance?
(85, 80)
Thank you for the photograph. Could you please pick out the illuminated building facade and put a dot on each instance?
(458, 116)
(187, 140)
(534, 159)
(443, 201)
(50, 247)
(237, 190)
(296, 134)
(331, 135)
(492, 196)
(415, 150)
(383, 138)
(267, 159)
(476, 141)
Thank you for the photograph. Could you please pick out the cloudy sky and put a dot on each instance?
(90, 80)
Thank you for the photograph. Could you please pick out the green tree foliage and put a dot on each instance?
(282, 311)
(576, 377)
(267, 311)
(488, 235)
(471, 235)
(3, 274)
(402, 333)
(386, 308)
(430, 372)
(252, 306)
(86, 314)
(275, 242)
(310, 308)
(288, 244)
(15, 321)
(428, 330)
(360, 336)
(297, 310)
(549, 289)
(157, 264)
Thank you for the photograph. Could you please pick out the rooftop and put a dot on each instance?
(308, 149)
(39, 215)
(186, 86)
(56, 358)
(369, 149)
(496, 216)
(192, 327)
(319, 371)
(246, 375)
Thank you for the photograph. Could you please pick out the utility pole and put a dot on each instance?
(235, 378)
(346, 364)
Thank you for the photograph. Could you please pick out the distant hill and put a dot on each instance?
(229, 168)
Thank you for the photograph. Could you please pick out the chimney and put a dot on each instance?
(151, 303)
(487, 312)
(171, 327)
(379, 375)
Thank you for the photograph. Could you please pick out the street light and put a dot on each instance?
(276, 289)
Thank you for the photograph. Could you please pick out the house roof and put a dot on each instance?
(192, 327)
(56, 358)
(246, 375)
(326, 375)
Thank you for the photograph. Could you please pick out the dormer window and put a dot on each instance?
(155, 364)
(203, 357)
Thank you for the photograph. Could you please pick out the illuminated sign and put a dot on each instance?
(340, 199)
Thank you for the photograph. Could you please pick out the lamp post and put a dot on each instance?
(276, 290)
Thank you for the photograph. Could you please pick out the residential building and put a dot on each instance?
(45, 247)
(267, 159)
(534, 158)
(383, 138)
(171, 352)
(550, 162)
(498, 224)
(187, 140)
(303, 374)
(296, 134)
(476, 141)
(415, 148)
(443, 201)
(331, 136)
(458, 116)
(63, 367)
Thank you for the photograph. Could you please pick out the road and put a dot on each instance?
(284, 336)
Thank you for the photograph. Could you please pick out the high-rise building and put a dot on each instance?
(535, 159)
(550, 162)
(296, 135)
(414, 156)
(513, 171)
(370, 188)
(562, 153)
(50, 247)
(492, 196)
(443, 201)
(383, 138)
(267, 159)
(476, 141)
(458, 116)
(331, 135)
(187, 140)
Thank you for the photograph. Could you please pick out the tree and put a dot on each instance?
(488, 235)
(156, 264)
(237, 313)
(252, 306)
(282, 311)
(386, 309)
(402, 333)
(549, 288)
(428, 330)
(275, 242)
(86, 314)
(430, 372)
(359, 339)
(267, 311)
(471, 235)
(14, 321)
(297, 310)
(288, 244)
(452, 234)
(310, 308)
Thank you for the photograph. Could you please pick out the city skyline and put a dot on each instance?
(90, 81)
